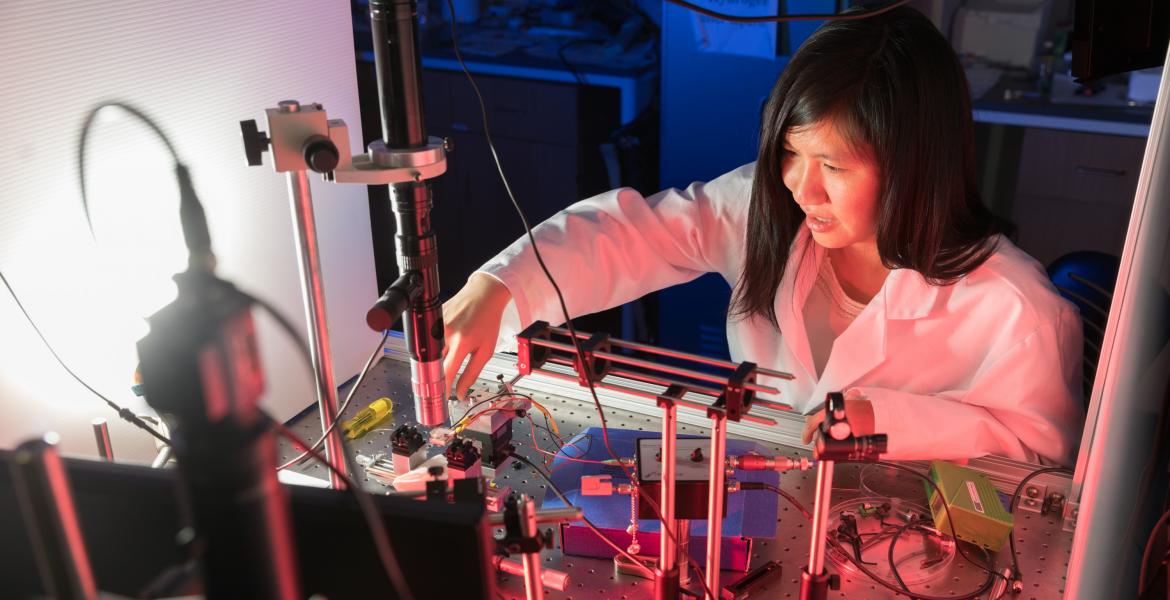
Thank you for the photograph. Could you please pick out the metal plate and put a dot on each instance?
(1044, 547)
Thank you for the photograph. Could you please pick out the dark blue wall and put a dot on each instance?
(710, 125)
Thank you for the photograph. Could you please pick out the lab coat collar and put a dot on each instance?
(861, 347)
(800, 273)
(908, 295)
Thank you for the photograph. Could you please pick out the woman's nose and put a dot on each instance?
(808, 190)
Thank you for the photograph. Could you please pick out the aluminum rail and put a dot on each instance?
(635, 392)
(646, 364)
(715, 362)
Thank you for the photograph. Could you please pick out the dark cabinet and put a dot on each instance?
(1075, 192)
(548, 138)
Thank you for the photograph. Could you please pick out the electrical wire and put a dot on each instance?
(548, 418)
(492, 398)
(893, 568)
(991, 574)
(890, 558)
(385, 552)
(564, 499)
(85, 129)
(789, 18)
(125, 413)
(1012, 509)
(666, 528)
(198, 240)
(789, 497)
(987, 585)
(1143, 583)
(288, 327)
(561, 444)
(496, 406)
(554, 455)
(341, 409)
(373, 523)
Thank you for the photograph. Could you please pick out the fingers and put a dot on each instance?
(475, 364)
(453, 355)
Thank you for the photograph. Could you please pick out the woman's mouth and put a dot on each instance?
(819, 224)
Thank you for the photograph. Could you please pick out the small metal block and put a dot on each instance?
(1032, 498)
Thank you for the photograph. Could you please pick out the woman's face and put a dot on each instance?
(835, 184)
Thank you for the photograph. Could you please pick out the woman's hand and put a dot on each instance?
(858, 410)
(471, 320)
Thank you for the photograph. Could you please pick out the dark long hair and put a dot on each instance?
(893, 85)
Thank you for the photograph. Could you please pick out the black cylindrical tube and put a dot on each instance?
(394, 24)
(240, 512)
(396, 60)
(814, 587)
(201, 365)
(666, 585)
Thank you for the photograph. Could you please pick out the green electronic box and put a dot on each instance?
(980, 517)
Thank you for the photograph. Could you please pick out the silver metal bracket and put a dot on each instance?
(1069, 515)
(382, 165)
(292, 124)
(1032, 497)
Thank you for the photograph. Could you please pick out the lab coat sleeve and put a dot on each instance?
(619, 245)
(1024, 403)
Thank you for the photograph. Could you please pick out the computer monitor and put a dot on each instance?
(1111, 37)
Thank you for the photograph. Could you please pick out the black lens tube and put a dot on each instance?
(394, 24)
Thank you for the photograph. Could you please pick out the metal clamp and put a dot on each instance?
(382, 165)
(302, 137)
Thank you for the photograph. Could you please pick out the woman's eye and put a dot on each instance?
(833, 169)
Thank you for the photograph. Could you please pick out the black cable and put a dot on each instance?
(373, 523)
(1143, 581)
(556, 490)
(192, 218)
(287, 326)
(88, 124)
(565, 499)
(491, 398)
(1161, 567)
(565, 60)
(1012, 509)
(341, 409)
(125, 413)
(874, 576)
(890, 558)
(788, 18)
(666, 528)
(198, 242)
(987, 584)
(776, 489)
(950, 522)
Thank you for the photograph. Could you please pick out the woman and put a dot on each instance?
(859, 251)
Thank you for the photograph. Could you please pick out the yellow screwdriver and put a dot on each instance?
(368, 418)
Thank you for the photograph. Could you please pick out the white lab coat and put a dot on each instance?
(988, 365)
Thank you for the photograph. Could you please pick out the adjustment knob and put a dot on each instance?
(321, 154)
(255, 142)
